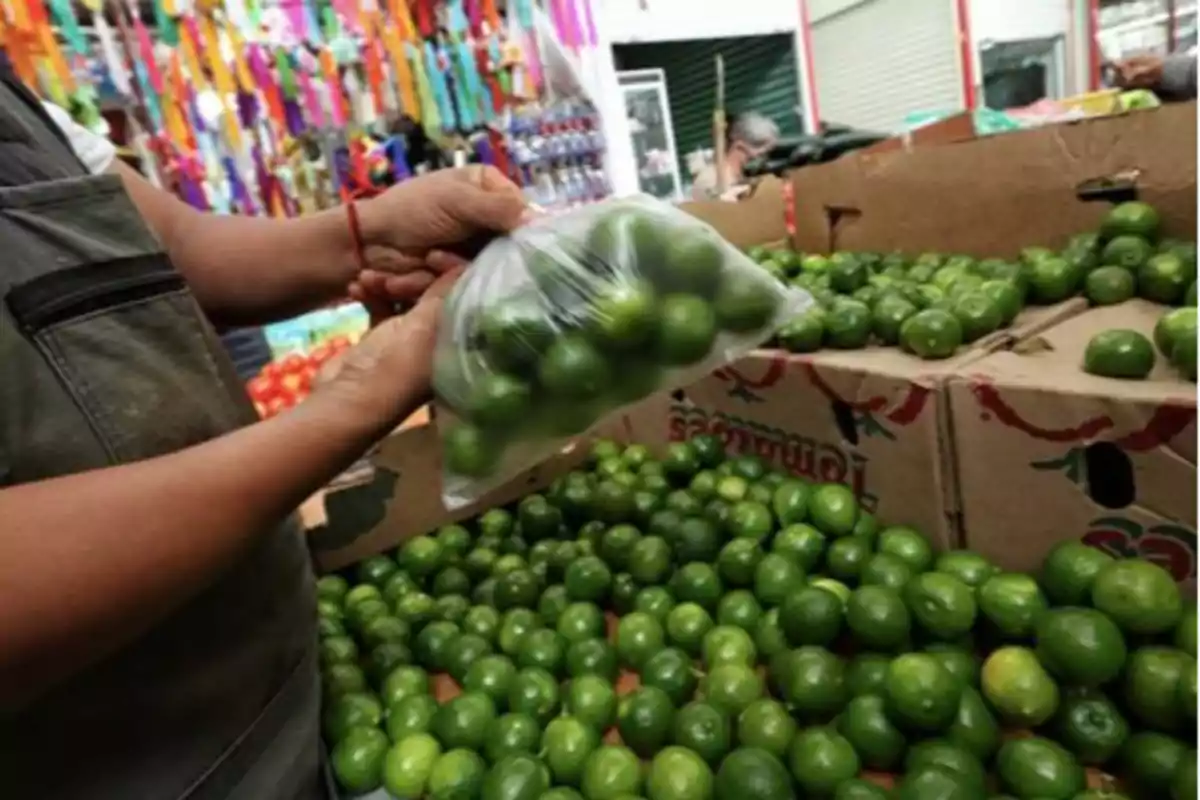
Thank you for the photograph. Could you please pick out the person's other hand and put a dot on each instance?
(413, 231)
(388, 374)
(1140, 72)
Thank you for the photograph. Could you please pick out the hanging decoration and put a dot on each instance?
(281, 107)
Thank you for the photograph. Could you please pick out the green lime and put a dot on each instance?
(498, 400)
(749, 773)
(942, 754)
(677, 773)
(866, 674)
(865, 725)
(386, 657)
(516, 777)
(820, 759)
(592, 657)
(464, 720)
(846, 558)
(811, 616)
(766, 724)
(745, 302)
(644, 719)
(404, 681)
(337, 650)
(534, 691)
(774, 578)
(357, 760)
(812, 681)
(750, 520)
(1007, 297)
(1164, 278)
(1069, 570)
(567, 743)
(1037, 767)
(1172, 327)
(469, 452)
(942, 605)
(740, 609)
(639, 636)
(1090, 726)
(969, 567)
(703, 729)
(413, 714)
(804, 333)
(1139, 596)
(848, 324)
(906, 544)
(1185, 631)
(457, 774)
(408, 765)
(883, 569)
(687, 328)
(1108, 286)
(543, 648)
(878, 618)
(1148, 762)
(1151, 690)
(768, 635)
(726, 644)
(650, 560)
(920, 693)
(801, 543)
(592, 699)
(623, 316)
(512, 734)
(975, 729)
(696, 539)
(1131, 218)
(655, 601)
(698, 583)
(515, 625)
(889, 315)
(1184, 353)
(672, 671)
(588, 579)
(465, 651)
(1018, 687)
(833, 509)
(1080, 646)
(731, 687)
(737, 561)
(931, 334)
(1119, 354)
(978, 315)
(580, 621)
(573, 369)
(611, 772)
(433, 644)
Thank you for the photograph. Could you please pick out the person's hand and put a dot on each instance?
(387, 375)
(1140, 72)
(418, 229)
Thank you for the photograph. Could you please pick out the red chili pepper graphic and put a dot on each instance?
(989, 398)
(772, 376)
(1167, 422)
(904, 414)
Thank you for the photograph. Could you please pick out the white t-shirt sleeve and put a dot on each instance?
(96, 152)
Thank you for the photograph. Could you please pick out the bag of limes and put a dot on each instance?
(574, 316)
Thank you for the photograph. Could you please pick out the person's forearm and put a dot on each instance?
(250, 270)
(126, 545)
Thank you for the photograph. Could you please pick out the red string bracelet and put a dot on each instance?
(356, 237)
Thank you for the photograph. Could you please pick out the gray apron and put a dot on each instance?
(105, 359)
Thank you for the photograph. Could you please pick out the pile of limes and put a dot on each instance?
(698, 626)
(586, 314)
(934, 303)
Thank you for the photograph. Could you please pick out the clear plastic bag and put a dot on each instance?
(575, 316)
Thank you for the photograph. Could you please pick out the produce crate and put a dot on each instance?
(1109, 462)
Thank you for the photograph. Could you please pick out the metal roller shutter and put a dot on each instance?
(876, 61)
(760, 75)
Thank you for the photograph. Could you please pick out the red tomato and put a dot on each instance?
(271, 370)
(261, 388)
(293, 383)
(292, 363)
(276, 405)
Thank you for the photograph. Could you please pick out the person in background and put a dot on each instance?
(157, 599)
(1171, 77)
(748, 136)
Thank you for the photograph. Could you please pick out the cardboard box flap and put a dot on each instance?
(758, 218)
(1055, 358)
(1025, 189)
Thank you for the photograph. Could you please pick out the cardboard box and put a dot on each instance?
(877, 419)
(1046, 452)
(874, 419)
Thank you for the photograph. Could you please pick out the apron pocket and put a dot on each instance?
(129, 344)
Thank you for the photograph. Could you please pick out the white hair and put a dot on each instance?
(754, 129)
